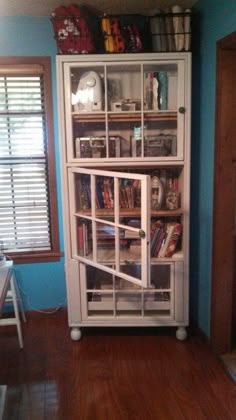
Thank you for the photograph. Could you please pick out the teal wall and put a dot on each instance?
(44, 283)
(213, 20)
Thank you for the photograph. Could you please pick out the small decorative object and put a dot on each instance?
(88, 97)
(157, 193)
(172, 199)
(116, 106)
(162, 90)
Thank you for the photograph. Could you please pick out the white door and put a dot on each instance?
(110, 218)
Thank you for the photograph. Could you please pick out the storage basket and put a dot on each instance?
(171, 32)
(124, 33)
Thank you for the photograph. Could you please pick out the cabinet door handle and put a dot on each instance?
(182, 110)
(142, 234)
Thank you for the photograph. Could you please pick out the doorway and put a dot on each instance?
(223, 297)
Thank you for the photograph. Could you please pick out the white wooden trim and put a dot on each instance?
(117, 224)
(181, 103)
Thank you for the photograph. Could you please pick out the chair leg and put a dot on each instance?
(19, 298)
(16, 310)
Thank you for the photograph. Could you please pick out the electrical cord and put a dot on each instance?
(41, 311)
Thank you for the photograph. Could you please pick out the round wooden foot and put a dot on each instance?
(75, 334)
(181, 333)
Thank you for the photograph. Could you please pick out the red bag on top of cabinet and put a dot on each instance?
(72, 31)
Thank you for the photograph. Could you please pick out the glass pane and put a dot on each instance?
(128, 304)
(122, 130)
(83, 193)
(124, 88)
(166, 188)
(130, 269)
(99, 279)
(105, 197)
(160, 276)
(105, 242)
(84, 238)
(90, 141)
(100, 299)
(157, 301)
(87, 89)
(160, 138)
(160, 87)
(130, 202)
(121, 284)
(160, 111)
(100, 304)
(128, 295)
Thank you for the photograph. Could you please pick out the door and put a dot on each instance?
(223, 317)
(117, 111)
(107, 209)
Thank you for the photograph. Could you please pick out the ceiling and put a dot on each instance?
(46, 7)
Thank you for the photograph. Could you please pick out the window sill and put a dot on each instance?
(35, 257)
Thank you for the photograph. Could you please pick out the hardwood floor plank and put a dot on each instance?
(111, 374)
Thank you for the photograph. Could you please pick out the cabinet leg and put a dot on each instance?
(181, 333)
(75, 334)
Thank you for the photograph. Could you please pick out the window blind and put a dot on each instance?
(24, 203)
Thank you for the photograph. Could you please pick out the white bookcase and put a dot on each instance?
(125, 166)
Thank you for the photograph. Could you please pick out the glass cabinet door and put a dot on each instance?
(109, 211)
(117, 111)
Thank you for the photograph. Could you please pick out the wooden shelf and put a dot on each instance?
(125, 116)
(136, 212)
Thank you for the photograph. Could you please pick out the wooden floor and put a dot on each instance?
(111, 375)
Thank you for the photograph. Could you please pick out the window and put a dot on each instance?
(28, 202)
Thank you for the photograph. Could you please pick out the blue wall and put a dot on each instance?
(44, 283)
(214, 19)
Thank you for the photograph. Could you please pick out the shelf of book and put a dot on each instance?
(125, 116)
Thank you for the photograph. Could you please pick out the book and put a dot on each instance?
(173, 240)
(163, 248)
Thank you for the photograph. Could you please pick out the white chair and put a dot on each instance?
(9, 297)
(10, 294)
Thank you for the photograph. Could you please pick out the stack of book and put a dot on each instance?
(130, 193)
(104, 193)
(84, 192)
(165, 239)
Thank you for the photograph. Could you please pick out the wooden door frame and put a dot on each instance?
(224, 197)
